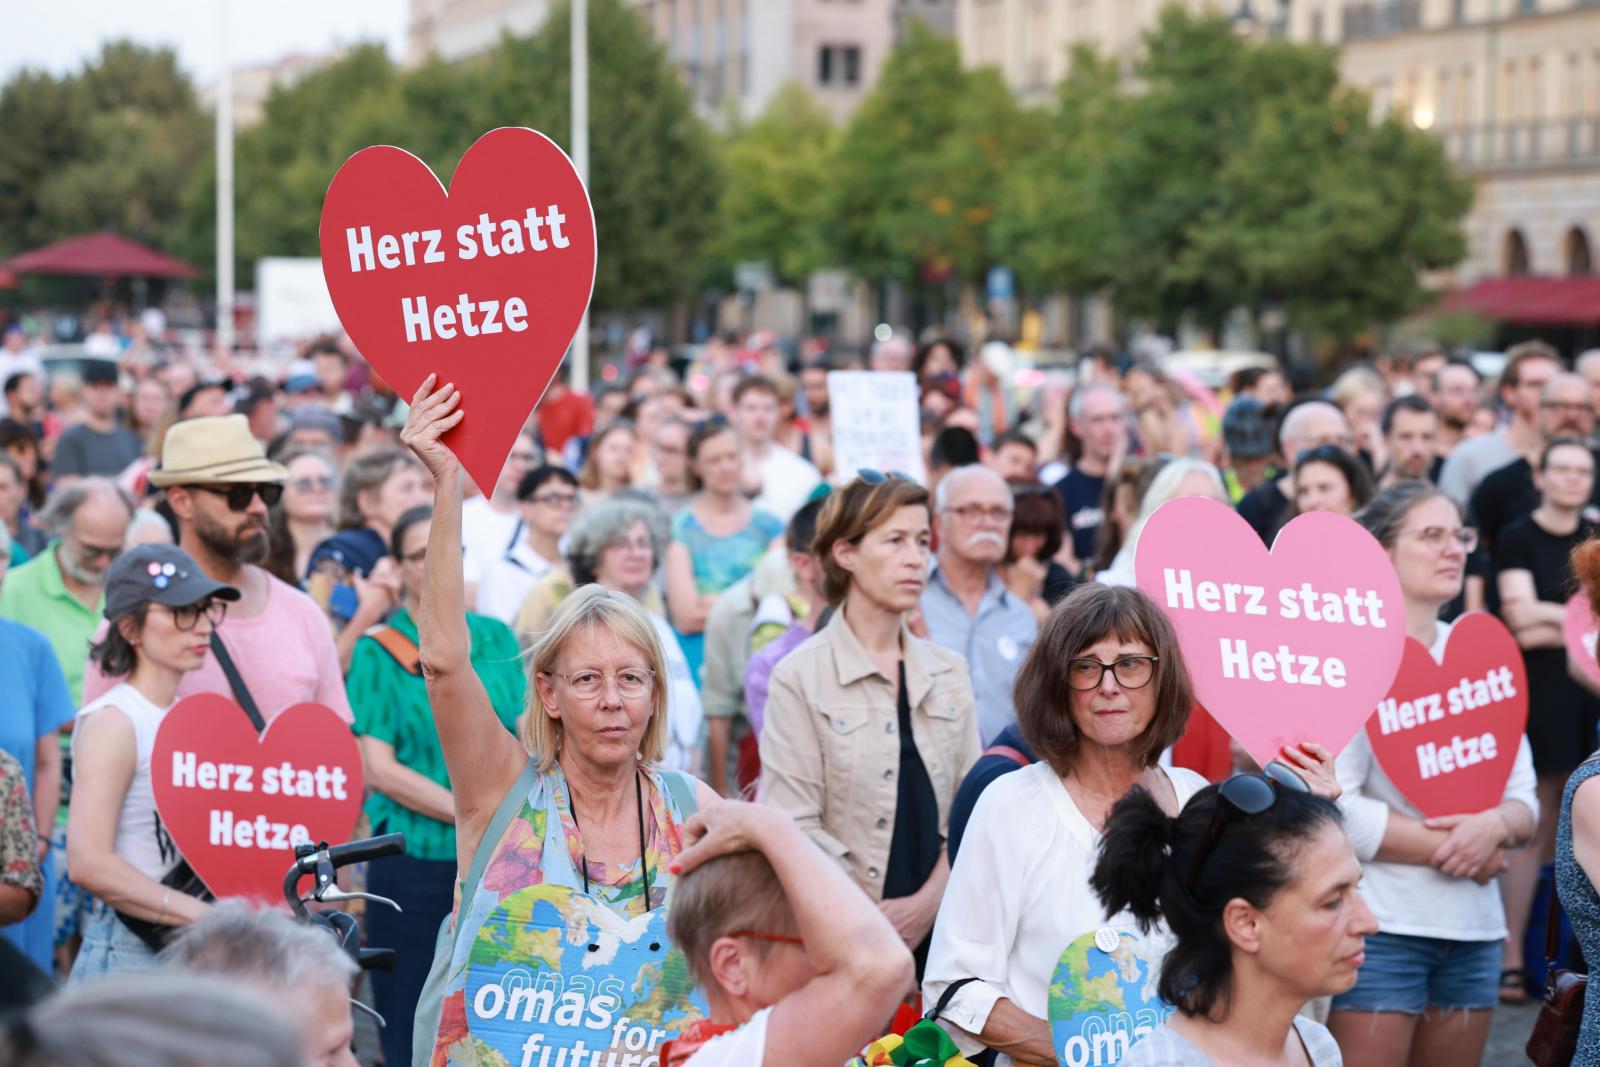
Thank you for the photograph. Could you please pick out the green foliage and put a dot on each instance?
(108, 147)
(780, 172)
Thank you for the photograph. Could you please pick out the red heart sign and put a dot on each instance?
(236, 804)
(1447, 734)
(1293, 645)
(1579, 629)
(484, 285)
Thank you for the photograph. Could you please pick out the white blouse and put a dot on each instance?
(1017, 897)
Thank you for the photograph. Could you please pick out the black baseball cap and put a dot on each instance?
(159, 574)
(1247, 429)
(99, 372)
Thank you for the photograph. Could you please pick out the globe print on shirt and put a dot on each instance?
(557, 979)
(1102, 1003)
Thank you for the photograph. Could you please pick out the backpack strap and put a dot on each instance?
(681, 788)
(509, 806)
(241, 692)
(401, 648)
(1007, 752)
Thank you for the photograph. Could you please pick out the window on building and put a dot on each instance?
(1458, 10)
(1516, 254)
(1579, 257)
(1527, 7)
(825, 65)
(852, 65)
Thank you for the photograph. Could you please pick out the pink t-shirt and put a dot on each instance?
(285, 656)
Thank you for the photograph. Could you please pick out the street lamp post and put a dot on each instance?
(224, 189)
(580, 160)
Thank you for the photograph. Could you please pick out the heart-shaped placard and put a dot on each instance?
(1580, 629)
(553, 969)
(1447, 733)
(1103, 996)
(484, 284)
(236, 804)
(1293, 645)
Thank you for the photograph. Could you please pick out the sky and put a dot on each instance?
(60, 35)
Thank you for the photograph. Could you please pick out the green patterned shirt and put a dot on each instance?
(391, 705)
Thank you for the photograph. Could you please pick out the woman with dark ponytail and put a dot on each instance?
(1256, 881)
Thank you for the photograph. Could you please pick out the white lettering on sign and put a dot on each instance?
(471, 318)
(1469, 694)
(391, 251)
(1105, 1042)
(320, 782)
(1352, 607)
(1434, 759)
(230, 831)
(1282, 665)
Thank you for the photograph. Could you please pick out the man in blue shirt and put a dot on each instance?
(966, 604)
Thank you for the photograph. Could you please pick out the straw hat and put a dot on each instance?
(214, 448)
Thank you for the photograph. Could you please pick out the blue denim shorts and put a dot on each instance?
(1410, 974)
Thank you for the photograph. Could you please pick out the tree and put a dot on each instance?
(780, 188)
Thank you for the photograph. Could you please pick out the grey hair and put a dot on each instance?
(1292, 426)
(1584, 358)
(941, 492)
(365, 472)
(235, 940)
(153, 1020)
(1079, 395)
(1385, 513)
(1164, 487)
(602, 526)
(63, 505)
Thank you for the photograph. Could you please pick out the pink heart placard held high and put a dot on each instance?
(483, 284)
(1297, 644)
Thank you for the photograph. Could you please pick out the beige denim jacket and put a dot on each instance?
(830, 744)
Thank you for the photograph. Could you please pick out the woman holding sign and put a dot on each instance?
(1429, 984)
(569, 828)
(162, 611)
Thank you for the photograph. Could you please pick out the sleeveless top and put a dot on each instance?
(541, 845)
(1582, 904)
(141, 838)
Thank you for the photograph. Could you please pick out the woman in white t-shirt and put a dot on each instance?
(799, 966)
(1427, 992)
(162, 611)
(1257, 883)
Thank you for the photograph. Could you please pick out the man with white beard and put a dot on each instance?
(966, 604)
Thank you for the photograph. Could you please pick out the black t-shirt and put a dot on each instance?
(1263, 508)
(83, 450)
(1080, 502)
(1509, 493)
(1058, 582)
(914, 849)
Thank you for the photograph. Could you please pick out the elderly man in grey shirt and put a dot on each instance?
(966, 604)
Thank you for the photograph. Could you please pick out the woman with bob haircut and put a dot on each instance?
(869, 729)
(1103, 692)
(578, 801)
(1256, 881)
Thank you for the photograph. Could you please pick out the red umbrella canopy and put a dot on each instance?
(100, 254)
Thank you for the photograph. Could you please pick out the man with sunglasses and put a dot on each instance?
(219, 486)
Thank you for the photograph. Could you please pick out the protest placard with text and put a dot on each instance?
(875, 422)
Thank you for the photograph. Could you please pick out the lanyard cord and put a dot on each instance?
(644, 860)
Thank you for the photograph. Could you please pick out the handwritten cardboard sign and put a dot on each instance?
(1447, 733)
(1103, 996)
(555, 976)
(1580, 630)
(1293, 645)
(236, 804)
(484, 284)
(875, 423)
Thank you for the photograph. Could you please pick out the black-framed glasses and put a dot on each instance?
(1131, 672)
(188, 616)
(876, 477)
(238, 494)
(1239, 797)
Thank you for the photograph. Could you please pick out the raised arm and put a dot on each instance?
(482, 758)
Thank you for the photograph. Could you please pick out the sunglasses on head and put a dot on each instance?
(877, 477)
(1239, 797)
(1321, 454)
(238, 494)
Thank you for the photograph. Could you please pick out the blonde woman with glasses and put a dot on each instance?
(577, 800)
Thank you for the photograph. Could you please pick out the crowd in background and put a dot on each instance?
(879, 658)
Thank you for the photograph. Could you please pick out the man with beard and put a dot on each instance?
(1454, 397)
(219, 486)
(61, 591)
(966, 604)
(1409, 426)
(1509, 493)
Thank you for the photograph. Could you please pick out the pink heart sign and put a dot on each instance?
(236, 804)
(1579, 630)
(1447, 733)
(484, 284)
(1293, 645)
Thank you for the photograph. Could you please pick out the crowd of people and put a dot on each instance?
(865, 737)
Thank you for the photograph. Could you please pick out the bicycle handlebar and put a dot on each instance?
(369, 849)
(322, 860)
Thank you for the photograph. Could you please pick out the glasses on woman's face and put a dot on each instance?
(321, 483)
(559, 501)
(1238, 797)
(1131, 672)
(188, 617)
(632, 682)
(1437, 537)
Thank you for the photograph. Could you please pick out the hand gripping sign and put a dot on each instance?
(1447, 733)
(1103, 997)
(236, 804)
(484, 284)
(556, 977)
(1293, 645)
